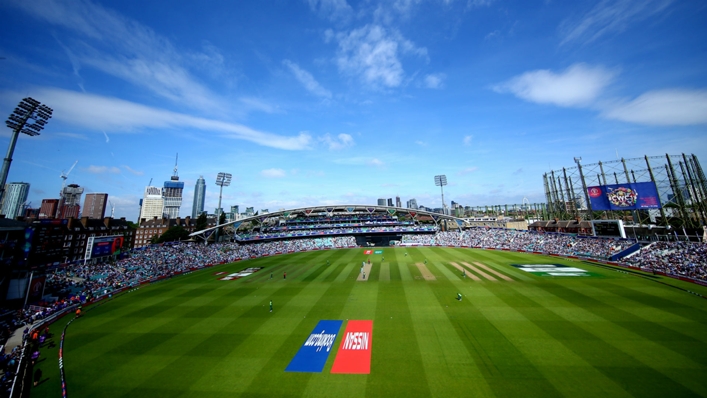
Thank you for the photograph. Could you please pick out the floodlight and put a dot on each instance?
(27, 109)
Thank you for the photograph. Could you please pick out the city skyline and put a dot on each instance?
(331, 101)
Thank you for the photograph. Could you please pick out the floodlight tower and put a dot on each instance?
(578, 160)
(27, 109)
(222, 180)
(441, 181)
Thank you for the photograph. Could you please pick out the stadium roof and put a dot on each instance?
(332, 210)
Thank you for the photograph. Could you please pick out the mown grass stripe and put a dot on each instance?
(396, 364)
(626, 370)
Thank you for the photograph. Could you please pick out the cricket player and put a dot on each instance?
(270, 305)
(459, 296)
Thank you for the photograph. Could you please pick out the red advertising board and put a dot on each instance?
(354, 356)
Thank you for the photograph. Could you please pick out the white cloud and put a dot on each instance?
(578, 85)
(376, 162)
(331, 9)
(468, 140)
(72, 135)
(124, 48)
(102, 170)
(112, 114)
(259, 105)
(662, 107)
(307, 80)
(609, 16)
(273, 173)
(373, 54)
(132, 171)
(434, 80)
(340, 142)
(468, 170)
(479, 3)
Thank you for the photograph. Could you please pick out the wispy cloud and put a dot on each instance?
(578, 85)
(468, 139)
(360, 161)
(662, 107)
(273, 173)
(376, 162)
(340, 142)
(609, 16)
(434, 80)
(331, 9)
(102, 170)
(259, 105)
(479, 3)
(468, 170)
(112, 114)
(307, 80)
(107, 138)
(373, 53)
(132, 171)
(72, 135)
(124, 48)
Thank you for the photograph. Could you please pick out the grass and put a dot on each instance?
(609, 334)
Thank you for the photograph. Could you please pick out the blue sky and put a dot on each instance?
(312, 102)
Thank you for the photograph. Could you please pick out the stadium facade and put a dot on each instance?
(679, 181)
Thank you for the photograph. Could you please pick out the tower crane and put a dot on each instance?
(63, 176)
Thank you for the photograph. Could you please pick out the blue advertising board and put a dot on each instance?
(313, 354)
(636, 196)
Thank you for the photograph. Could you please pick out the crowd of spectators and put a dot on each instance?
(93, 280)
(278, 234)
(678, 258)
(530, 241)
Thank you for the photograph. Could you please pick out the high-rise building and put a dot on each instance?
(412, 204)
(49, 208)
(152, 204)
(14, 199)
(172, 195)
(199, 197)
(397, 202)
(70, 202)
(68, 211)
(381, 201)
(94, 205)
(390, 202)
(249, 211)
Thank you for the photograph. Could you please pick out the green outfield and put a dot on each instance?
(591, 331)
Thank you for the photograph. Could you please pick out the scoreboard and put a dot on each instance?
(609, 228)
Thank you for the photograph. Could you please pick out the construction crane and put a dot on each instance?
(63, 176)
(175, 176)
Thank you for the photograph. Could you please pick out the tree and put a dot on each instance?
(173, 234)
(221, 221)
(201, 222)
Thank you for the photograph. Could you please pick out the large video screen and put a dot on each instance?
(636, 196)
(106, 246)
(609, 228)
